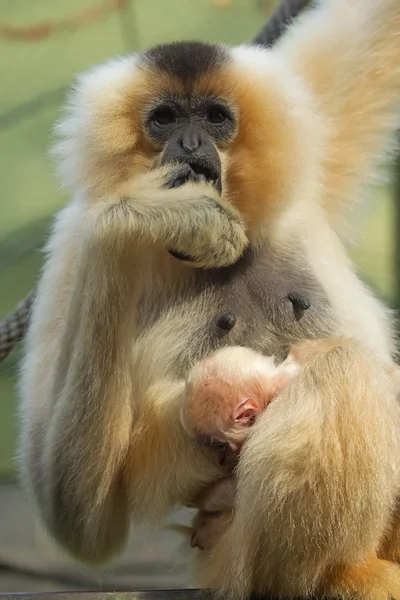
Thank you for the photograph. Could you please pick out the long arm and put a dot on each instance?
(79, 408)
(76, 406)
(347, 52)
(88, 431)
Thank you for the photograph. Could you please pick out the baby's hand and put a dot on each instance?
(218, 497)
(208, 528)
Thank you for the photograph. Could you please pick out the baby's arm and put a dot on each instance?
(216, 507)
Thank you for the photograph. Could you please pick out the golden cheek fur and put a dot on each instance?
(265, 156)
(101, 139)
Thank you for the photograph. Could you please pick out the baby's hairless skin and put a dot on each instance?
(227, 391)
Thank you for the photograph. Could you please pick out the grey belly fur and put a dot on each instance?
(256, 291)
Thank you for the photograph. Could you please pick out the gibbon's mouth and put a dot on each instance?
(196, 171)
(206, 173)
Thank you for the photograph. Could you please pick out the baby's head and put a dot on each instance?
(226, 392)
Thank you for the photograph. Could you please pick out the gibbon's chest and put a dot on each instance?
(266, 293)
(247, 304)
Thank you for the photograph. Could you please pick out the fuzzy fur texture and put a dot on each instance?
(117, 323)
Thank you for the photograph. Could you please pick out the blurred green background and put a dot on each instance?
(35, 71)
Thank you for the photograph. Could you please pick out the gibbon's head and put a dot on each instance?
(225, 393)
(235, 115)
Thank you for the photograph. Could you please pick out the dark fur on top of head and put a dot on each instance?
(187, 61)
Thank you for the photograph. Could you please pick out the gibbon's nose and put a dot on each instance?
(191, 139)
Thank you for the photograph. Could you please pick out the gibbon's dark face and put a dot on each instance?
(188, 126)
(190, 130)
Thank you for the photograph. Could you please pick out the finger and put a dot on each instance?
(179, 176)
(181, 256)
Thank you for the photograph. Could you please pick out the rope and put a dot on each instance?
(14, 327)
(280, 20)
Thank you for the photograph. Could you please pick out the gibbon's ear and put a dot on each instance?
(246, 411)
(99, 138)
(353, 70)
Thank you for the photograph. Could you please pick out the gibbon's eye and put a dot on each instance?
(220, 449)
(163, 116)
(219, 446)
(216, 115)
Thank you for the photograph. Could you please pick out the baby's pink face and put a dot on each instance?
(225, 393)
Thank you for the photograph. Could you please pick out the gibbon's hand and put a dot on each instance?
(185, 173)
(189, 219)
(217, 237)
(208, 528)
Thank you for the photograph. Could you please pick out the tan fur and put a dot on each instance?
(371, 579)
(300, 469)
(101, 440)
(350, 61)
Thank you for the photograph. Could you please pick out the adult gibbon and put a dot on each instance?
(209, 188)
